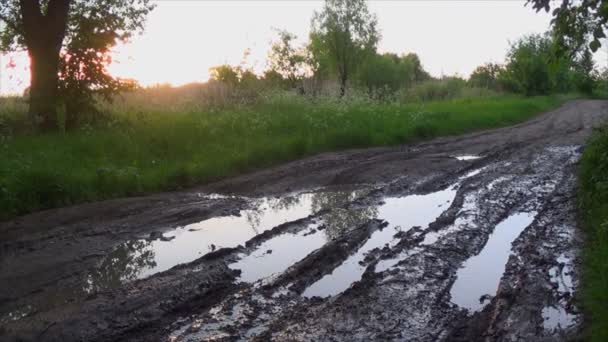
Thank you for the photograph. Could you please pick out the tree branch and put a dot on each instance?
(32, 19)
(57, 17)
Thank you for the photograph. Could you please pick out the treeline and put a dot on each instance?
(341, 56)
(532, 67)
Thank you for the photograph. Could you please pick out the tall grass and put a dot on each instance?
(160, 148)
(593, 198)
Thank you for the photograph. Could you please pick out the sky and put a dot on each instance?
(183, 39)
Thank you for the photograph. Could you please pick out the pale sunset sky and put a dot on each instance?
(183, 39)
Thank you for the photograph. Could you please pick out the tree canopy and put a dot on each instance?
(388, 72)
(286, 59)
(68, 42)
(344, 33)
(577, 21)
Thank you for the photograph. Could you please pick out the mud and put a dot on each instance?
(463, 238)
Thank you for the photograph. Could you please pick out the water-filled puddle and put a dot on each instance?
(473, 173)
(402, 213)
(141, 258)
(480, 275)
(277, 254)
(562, 275)
(467, 157)
(195, 240)
(556, 318)
(464, 218)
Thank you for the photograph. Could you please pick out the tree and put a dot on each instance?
(533, 68)
(485, 76)
(344, 32)
(381, 74)
(225, 73)
(414, 68)
(577, 22)
(68, 43)
(286, 59)
(272, 79)
(584, 72)
(389, 72)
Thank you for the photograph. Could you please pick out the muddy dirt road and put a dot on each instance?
(463, 238)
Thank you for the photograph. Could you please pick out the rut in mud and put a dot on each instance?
(464, 238)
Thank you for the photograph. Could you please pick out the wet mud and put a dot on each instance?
(465, 238)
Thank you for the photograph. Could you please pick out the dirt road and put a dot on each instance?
(462, 238)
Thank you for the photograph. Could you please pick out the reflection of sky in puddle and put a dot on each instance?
(402, 213)
(464, 218)
(142, 258)
(198, 239)
(467, 157)
(195, 240)
(480, 275)
(277, 254)
(562, 275)
(473, 173)
(287, 249)
(556, 317)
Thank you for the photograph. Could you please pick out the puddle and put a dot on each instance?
(562, 276)
(480, 275)
(142, 258)
(463, 219)
(472, 173)
(277, 254)
(195, 240)
(384, 265)
(215, 196)
(467, 157)
(556, 318)
(402, 213)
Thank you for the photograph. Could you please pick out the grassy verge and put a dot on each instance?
(161, 150)
(593, 197)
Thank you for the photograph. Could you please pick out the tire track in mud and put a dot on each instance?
(377, 251)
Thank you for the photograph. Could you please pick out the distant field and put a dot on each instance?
(139, 151)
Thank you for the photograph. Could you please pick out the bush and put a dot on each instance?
(486, 76)
(534, 67)
(384, 74)
(435, 90)
(593, 197)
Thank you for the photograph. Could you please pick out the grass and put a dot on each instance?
(162, 149)
(593, 200)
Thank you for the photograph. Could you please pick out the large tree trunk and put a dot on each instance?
(44, 64)
(44, 30)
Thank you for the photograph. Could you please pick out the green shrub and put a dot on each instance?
(593, 198)
(435, 90)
